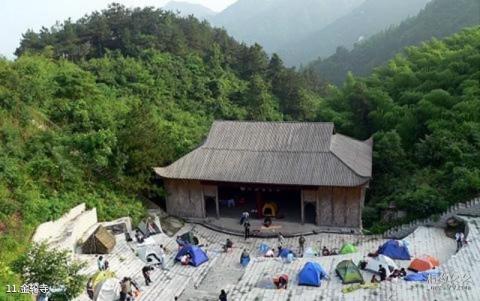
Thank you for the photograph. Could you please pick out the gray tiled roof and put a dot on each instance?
(290, 153)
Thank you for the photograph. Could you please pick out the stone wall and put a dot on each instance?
(185, 198)
(64, 232)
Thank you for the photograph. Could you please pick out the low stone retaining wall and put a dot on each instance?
(470, 208)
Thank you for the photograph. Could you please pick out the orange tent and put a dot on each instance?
(424, 263)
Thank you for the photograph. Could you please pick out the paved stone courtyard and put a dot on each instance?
(223, 270)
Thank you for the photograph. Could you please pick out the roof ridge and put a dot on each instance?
(263, 151)
(270, 122)
(354, 140)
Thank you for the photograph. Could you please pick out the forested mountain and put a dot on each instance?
(186, 9)
(370, 17)
(423, 110)
(440, 18)
(274, 23)
(90, 106)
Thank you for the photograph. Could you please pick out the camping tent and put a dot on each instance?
(310, 253)
(107, 290)
(349, 272)
(263, 248)
(198, 255)
(416, 277)
(100, 242)
(395, 249)
(423, 263)
(348, 248)
(373, 264)
(284, 252)
(101, 276)
(189, 238)
(150, 226)
(311, 274)
(149, 254)
(244, 261)
(422, 276)
(270, 209)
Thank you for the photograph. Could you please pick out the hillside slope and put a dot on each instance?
(89, 107)
(423, 111)
(273, 23)
(367, 19)
(440, 18)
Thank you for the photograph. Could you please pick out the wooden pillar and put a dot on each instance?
(303, 207)
(360, 205)
(204, 206)
(217, 205)
(317, 209)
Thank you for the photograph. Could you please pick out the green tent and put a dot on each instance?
(349, 272)
(348, 248)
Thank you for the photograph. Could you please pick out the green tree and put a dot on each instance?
(53, 268)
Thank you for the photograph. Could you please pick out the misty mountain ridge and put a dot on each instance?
(369, 18)
(274, 23)
(186, 9)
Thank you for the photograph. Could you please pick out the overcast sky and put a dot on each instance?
(16, 16)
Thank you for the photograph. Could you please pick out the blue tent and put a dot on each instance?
(264, 248)
(244, 261)
(416, 277)
(422, 276)
(311, 274)
(198, 255)
(395, 249)
(284, 253)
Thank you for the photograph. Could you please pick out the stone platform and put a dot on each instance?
(223, 270)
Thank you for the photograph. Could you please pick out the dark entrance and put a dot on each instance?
(210, 206)
(310, 213)
(280, 202)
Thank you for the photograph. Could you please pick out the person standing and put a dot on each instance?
(281, 239)
(383, 273)
(246, 225)
(146, 274)
(459, 238)
(126, 292)
(163, 261)
(223, 296)
(301, 245)
(90, 291)
(101, 263)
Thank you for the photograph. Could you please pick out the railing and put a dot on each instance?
(471, 208)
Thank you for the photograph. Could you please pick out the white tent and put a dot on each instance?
(310, 253)
(373, 264)
(147, 252)
(107, 290)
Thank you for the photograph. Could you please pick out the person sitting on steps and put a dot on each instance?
(228, 245)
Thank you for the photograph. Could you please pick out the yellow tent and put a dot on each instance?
(270, 209)
(101, 276)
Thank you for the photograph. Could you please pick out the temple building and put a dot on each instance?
(296, 171)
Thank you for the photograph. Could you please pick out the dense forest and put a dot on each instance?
(88, 109)
(90, 106)
(440, 18)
